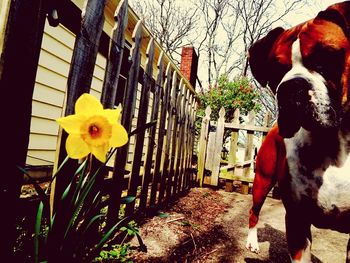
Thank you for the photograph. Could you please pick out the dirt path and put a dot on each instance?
(211, 226)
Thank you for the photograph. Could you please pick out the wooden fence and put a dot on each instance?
(211, 166)
(156, 171)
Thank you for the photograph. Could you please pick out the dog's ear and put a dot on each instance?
(338, 14)
(258, 55)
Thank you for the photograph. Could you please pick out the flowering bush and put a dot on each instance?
(232, 95)
(75, 231)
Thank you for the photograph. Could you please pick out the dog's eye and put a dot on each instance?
(327, 62)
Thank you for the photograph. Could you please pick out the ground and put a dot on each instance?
(211, 226)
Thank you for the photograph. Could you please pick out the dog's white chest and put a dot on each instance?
(334, 192)
(328, 187)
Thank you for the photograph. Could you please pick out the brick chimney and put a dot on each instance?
(189, 64)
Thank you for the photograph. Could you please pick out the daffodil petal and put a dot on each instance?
(87, 105)
(72, 123)
(100, 152)
(119, 135)
(76, 148)
(112, 116)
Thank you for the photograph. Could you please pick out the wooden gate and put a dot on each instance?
(245, 139)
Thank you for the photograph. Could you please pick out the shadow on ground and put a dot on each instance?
(210, 226)
(278, 246)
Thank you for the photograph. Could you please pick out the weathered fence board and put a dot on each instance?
(175, 142)
(165, 94)
(18, 65)
(79, 78)
(152, 134)
(202, 147)
(184, 153)
(110, 85)
(234, 140)
(178, 139)
(191, 143)
(219, 136)
(141, 121)
(170, 123)
(127, 115)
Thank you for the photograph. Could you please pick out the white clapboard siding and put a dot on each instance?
(49, 92)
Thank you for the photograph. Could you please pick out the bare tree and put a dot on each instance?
(259, 16)
(212, 13)
(221, 31)
(170, 22)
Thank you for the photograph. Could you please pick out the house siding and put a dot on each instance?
(49, 92)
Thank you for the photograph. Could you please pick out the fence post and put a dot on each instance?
(170, 123)
(174, 141)
(79, 81)
(248, 153)
(127, 115)
(152, 134)
(141, 121)
(110, 84)
(180, 138)
(192, 142)
(166, 93)
(202, 148)
(19, 60)
(266, 123)
(232, 155)
(216, 155)
(185, 120)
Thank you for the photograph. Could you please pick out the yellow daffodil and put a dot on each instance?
(92, 129)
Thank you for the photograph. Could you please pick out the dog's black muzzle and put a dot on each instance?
(293, 105)
(296, 108)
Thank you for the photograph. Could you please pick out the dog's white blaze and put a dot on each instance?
(319, 93)
(252, 240)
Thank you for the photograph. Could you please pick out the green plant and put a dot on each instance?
(230, 94)
(119, 252)
(190, 224)
(116, 253)
(74, 230)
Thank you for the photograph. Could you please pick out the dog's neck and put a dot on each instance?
(321, 148)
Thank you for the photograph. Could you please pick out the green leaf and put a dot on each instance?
(59, 168)
(37, 231)
(127, 199)
(85, 191)
(163, 215)
(111, 231)
(93, 220)
(66, 192)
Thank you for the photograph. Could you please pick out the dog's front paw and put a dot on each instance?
(252, 240)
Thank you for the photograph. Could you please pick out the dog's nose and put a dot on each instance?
(294, 91)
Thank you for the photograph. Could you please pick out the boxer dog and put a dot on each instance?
(307, 152)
